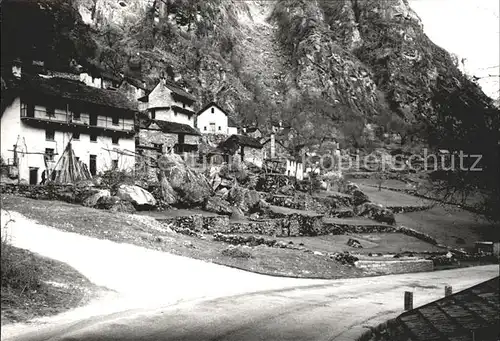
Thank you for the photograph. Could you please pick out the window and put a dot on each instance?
(76, 135)
(205, 128)
(175, 113)
(212, 110)
(49, 134)
(93, 138)
(153, 114)
(49, 154)
(115, 140)
(183, 105)
(93, 119)
(76, 116)
(51, 111)
(158, 145)
(114, 164)
(220, 128)
(115, 120)
(77, 158)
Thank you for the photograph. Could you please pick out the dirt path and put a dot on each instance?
(137, 277)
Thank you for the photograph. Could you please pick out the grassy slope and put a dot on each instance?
(447, 223)
(61, 287)
(141, 231)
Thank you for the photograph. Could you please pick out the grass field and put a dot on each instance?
(34, 286)
(372, 243)
(447, 224)
(391, 198)
(147, 232)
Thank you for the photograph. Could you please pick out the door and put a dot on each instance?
(181, 139)
(33, 176)
(93, 165)
(93, 119)
(212, 128)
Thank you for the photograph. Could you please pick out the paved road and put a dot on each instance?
(338, 311)
(165, 297)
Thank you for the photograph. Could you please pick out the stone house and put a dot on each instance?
(165, 125)
(246, 148)
(42, 113)
(133, 88)
(212, 119)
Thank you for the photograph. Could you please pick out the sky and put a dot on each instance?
(468, 28)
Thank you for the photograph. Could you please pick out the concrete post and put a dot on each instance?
(408, 300)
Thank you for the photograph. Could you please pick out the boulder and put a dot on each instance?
(94, 198)
(114, 204)
(375, 212)
(136, 195)
(354, 243)
(180, 184)
(237, 214)
(245, 199)
(218, 205)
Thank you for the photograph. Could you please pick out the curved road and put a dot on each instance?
(211, 302)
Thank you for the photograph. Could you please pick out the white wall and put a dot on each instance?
(294, 169)
(32, 140)
(161, 98)
(218, 117)
(171, 116)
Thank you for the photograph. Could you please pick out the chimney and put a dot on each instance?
(273, 146)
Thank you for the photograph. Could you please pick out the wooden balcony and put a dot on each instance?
(102, 123)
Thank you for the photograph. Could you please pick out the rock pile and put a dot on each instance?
(180, 184)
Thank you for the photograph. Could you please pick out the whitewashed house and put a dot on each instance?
(41, 114)
(212, 119)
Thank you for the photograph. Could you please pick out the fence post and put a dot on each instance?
(408, 300)
(448, 290)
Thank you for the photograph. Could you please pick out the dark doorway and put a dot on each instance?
(181, 138)
(33, 176)
(93, 119)
(93, 165)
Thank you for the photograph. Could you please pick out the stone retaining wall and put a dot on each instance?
(66, 193)
(396, 267)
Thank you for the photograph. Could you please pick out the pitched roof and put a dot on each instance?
(243, 140)
(175, 88)
(75, 90)
(170, 127)
(230, 121)
(473, 311)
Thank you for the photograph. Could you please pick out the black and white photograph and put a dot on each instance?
(250, 170)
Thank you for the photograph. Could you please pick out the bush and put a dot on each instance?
(236, 252)
(19, 269)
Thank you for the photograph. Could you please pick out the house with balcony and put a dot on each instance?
(165, 125)
(212, 119)
(42, 113)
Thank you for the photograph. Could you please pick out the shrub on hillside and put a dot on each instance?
(236, 252)
(19, 270)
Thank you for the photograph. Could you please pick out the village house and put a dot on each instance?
(166, 125)
(212, 119)
(245, 148)
(42, 113)
(254, 132)
(134, 89)
(278, 156)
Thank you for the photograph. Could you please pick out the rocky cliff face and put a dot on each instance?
(257, 58)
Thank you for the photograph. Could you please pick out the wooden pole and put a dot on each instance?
(408, 300)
